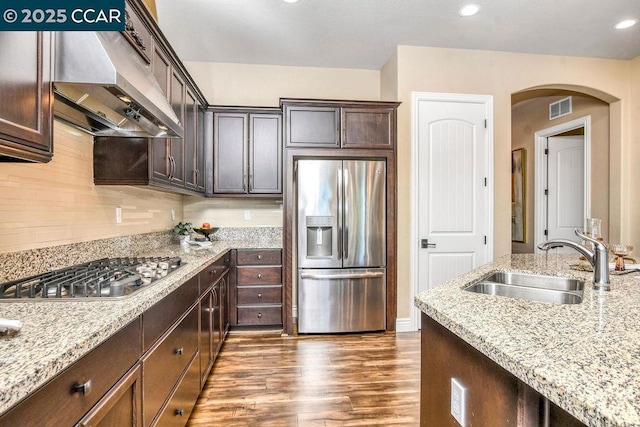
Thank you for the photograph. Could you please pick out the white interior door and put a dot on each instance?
(565, 196)
(453, 197)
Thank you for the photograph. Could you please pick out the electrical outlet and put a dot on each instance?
(118, 215)
(247, 215)
(458, 402)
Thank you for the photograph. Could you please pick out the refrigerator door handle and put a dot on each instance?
(340, 217)
(319, 276)
(347, 210)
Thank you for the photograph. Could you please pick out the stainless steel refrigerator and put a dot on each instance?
(341, 229)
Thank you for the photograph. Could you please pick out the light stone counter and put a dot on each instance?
(583, 357)
(56, 334)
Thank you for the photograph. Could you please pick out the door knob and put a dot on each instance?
(424, 244)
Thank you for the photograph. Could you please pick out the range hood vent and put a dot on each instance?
(103, 87)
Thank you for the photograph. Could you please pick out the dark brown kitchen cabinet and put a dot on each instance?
(137, 33)
(213, 309)
(256, 297)
(164, 365)
(193, 143)
(171, 164)
(26, 115)
(247, 152)
(121, 406)
(339, 124)
(312, 126)
(368, 127)
(75, 391)
(493, 395)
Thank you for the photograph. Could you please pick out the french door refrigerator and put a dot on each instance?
(341, 245)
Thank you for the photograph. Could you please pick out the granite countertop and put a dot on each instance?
(56, 334)
(583, 357)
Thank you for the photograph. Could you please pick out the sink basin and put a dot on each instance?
(531, 287)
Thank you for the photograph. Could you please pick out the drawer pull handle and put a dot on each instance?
(259, 275)
(83, 389)
(259, 256)
(259, 295)
(179, 351)
(259, 315)
(179, 412)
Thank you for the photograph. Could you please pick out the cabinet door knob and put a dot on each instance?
(259, 275)
(259, 295)
(214, 271)
(259, 256)
(83, 389)
(179, 351)
(259, 315)
(179, 412)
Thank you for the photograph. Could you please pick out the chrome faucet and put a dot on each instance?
(598, 258)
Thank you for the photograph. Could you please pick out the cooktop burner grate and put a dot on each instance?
(106, 278)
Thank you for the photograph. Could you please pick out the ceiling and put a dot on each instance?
(364, 33)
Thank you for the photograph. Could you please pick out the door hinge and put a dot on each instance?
(546, 192)
(485, 240)
(546, 151)
(546, 232)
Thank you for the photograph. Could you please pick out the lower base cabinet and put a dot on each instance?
(149, 373)
(178, 409)
(494, 396)
(121, 405)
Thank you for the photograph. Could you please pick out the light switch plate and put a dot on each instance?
(458, 401)
(118, 215)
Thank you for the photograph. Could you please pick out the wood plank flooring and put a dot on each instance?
(329, 380)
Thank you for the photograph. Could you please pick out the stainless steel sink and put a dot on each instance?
(531, 287)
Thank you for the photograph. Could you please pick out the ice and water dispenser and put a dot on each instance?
(320, 236)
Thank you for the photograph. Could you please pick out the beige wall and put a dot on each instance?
(633, 159)
(498, 74)
(230, 212)
(56, 203)
(264, 85)
(531, 116)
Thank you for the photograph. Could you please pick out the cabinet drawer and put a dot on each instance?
(259, 257)
(162, 367)
(161, 316)
(260, 315)
(179, 407)
(259, 276)
(213, 272)
(99, 370)
(260, 295)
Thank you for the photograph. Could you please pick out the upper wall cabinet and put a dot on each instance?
(247, 151)
(26, 96)
(339, 124)
(174, 164)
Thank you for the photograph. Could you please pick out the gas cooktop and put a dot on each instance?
(107, 278)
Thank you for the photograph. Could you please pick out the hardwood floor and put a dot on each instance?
(327, 380)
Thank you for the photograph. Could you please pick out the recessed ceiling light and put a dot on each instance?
(469, 10)
(626, 24)
(290, 1)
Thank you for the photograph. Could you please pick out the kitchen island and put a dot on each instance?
(56, 334)
(585, 358)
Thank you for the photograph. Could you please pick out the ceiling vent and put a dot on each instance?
(560, 108)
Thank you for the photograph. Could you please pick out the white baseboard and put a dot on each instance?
(404, 324)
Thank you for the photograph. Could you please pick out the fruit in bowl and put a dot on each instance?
(206, 225)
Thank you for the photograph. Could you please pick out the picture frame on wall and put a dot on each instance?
(518, 196)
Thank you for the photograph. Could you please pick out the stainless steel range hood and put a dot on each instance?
(103, 87)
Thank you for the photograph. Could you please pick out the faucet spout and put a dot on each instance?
(598, 258)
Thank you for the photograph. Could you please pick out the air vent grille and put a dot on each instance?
(560, 108)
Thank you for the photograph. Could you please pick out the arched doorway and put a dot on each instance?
(530, 115)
